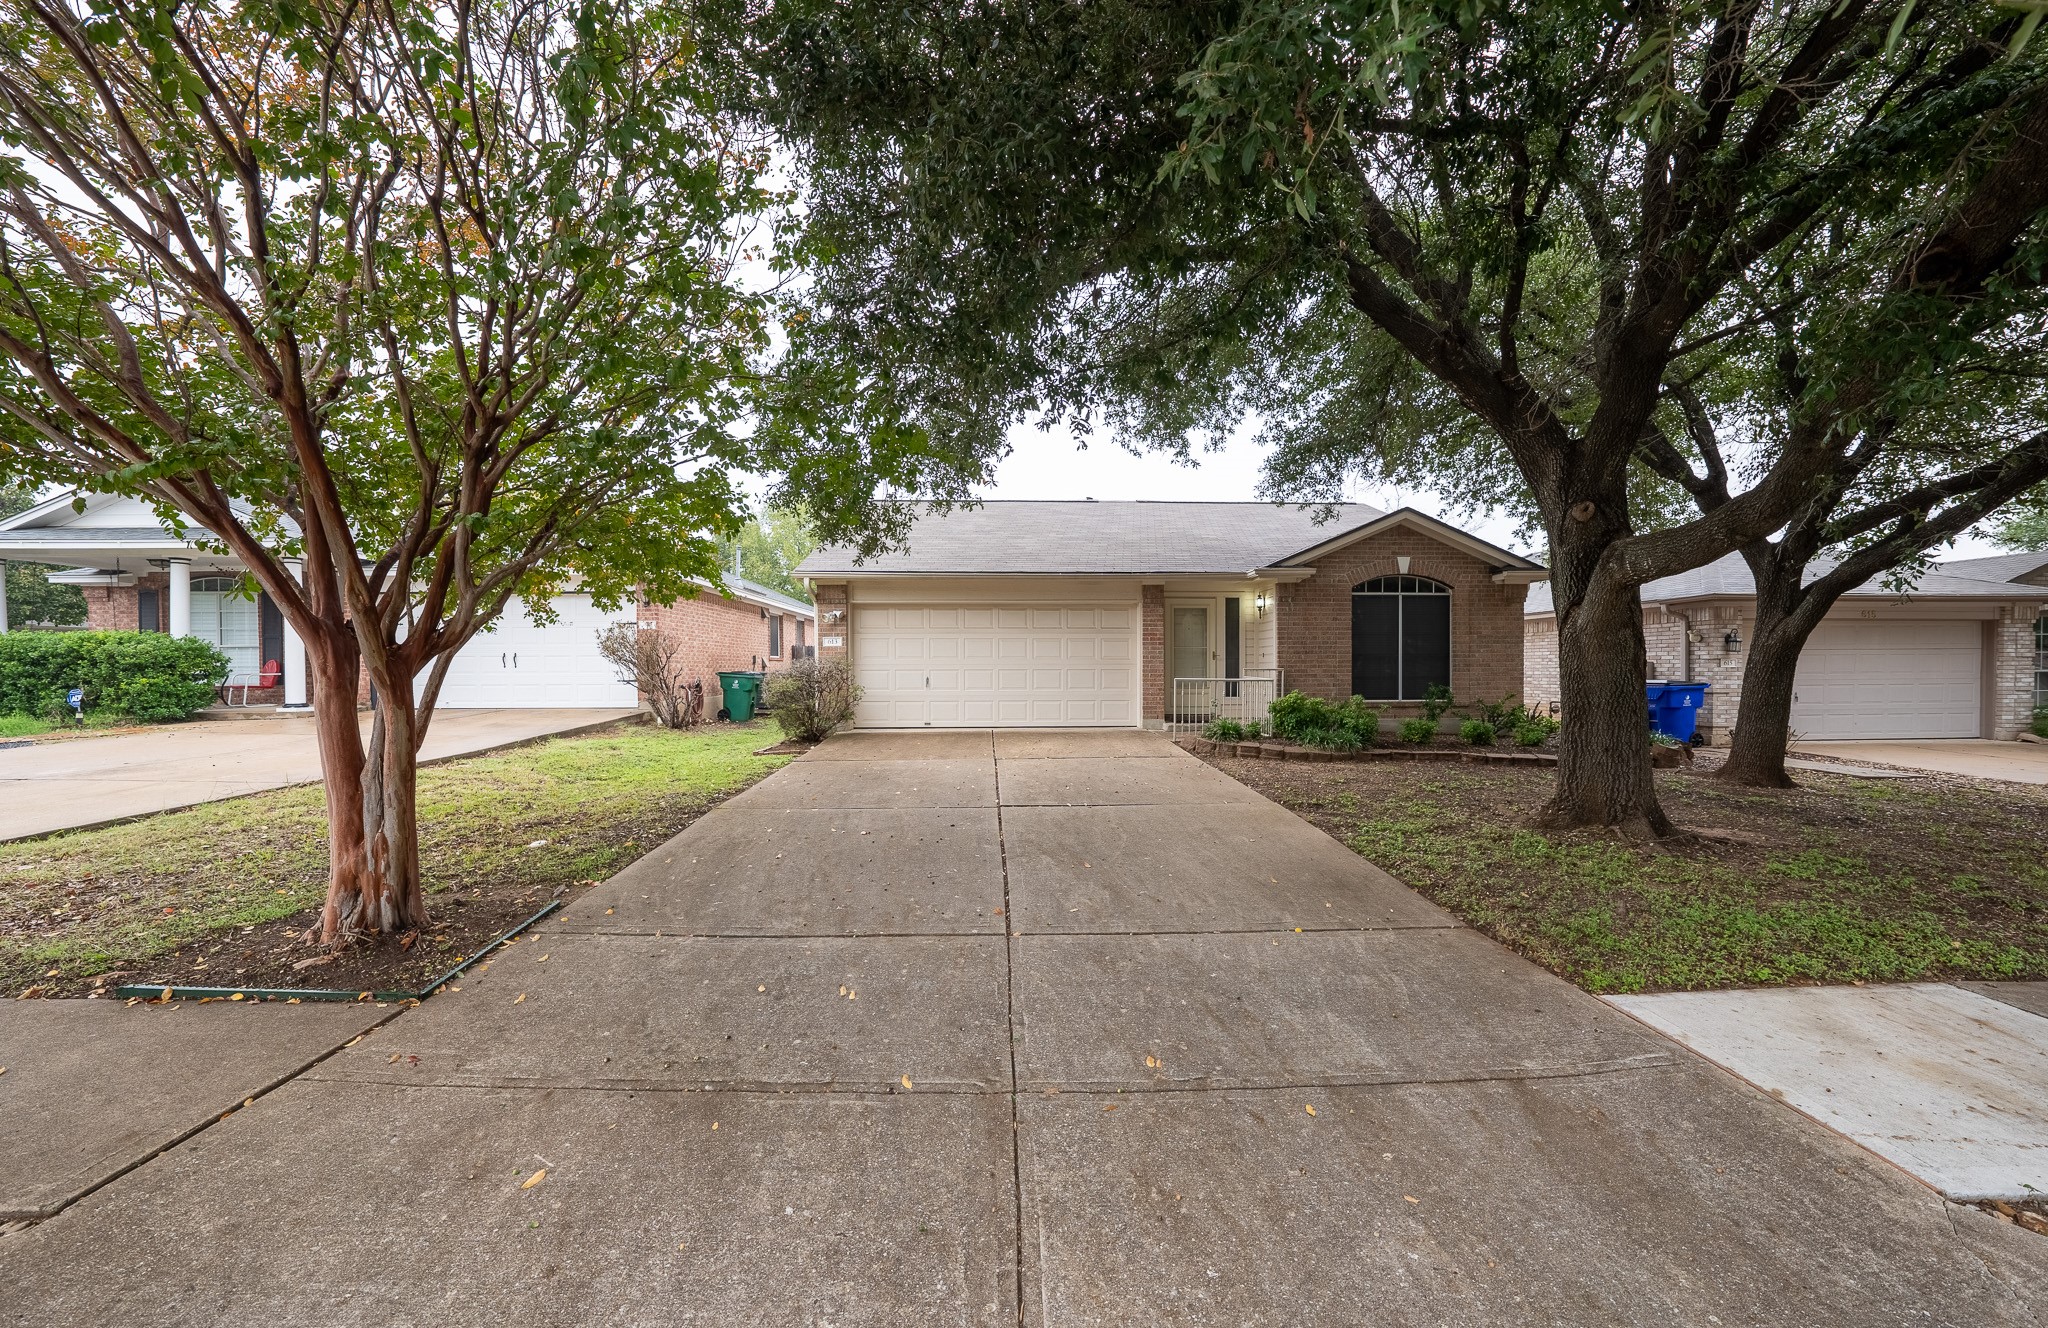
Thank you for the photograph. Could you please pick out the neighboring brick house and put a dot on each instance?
(750, 628)
(1964, 654)
(1140, 614)
(138, 576)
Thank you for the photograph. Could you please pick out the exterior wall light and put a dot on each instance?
(1259, 603)
(1732, 643)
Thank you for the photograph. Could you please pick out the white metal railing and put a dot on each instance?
(1197, 702)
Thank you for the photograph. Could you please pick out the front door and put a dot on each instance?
(1190, 661)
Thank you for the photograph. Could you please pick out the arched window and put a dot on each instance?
(1400, 638)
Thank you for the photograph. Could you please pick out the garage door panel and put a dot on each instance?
(970, 665)
(1897, 679)
(521, 664)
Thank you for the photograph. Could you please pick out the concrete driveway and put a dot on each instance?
(2019, 762)
(1060, 1029)
(52, 786)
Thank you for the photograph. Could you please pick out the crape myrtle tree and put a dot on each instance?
(1118, 212)
(411, 307)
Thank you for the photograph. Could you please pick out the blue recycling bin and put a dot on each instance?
(1675, 707)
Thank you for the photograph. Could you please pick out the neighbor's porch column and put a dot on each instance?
(3, 597)
(181, 597)
(294, 658)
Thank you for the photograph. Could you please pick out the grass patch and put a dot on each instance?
(217, 894)
(1847, 880)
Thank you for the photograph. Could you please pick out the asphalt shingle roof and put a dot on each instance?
(1102, 538)
(1730, 575)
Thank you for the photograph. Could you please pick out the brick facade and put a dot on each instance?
(115, 608)
(1314, 618)
(1152, 656)
(722, 635)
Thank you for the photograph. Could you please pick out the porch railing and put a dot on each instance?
(1194, 703)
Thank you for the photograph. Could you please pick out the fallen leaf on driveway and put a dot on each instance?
(907, 1083)
(1110, 1107)
(520, 997)
(1411, 1198)
(1310, 1109)
(536, 1177)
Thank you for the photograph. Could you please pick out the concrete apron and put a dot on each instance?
(1177, 1059)
(1952, 1085)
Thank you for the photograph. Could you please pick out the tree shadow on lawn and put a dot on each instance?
(1839, 880)
(222, 894)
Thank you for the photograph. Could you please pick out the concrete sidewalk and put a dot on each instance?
(46, 787)
(945, 1029)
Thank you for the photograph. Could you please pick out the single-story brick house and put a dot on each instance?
(139, 576)
(1964, 654)
(1128, 614)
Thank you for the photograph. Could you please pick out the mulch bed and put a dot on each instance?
(1287, 751)
(274, 954)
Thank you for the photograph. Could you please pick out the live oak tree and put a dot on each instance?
(1542, 212)
(411, 307)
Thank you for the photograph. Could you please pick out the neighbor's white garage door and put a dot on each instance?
(1890, 680)
(519, 665)
(999, 667)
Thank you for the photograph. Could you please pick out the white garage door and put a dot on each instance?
(1890, 680)
(518, 665)
(970, 667)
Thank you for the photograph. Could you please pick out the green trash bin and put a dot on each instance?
(742, 692)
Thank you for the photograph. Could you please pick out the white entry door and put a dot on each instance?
(976, 667)
(522, 665)
(1890, 680)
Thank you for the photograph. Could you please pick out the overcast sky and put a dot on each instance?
(1050, 465)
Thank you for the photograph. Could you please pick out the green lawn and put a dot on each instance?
(1842, 880)
(98, 901)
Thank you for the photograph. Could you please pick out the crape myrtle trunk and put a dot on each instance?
(373, 881)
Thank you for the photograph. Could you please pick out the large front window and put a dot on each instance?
(2041, 662)
(222, 615)
(1400, 638)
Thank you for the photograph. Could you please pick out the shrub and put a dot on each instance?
(812, 697)
(2041, 722)
(653, 659)
(1314, 722)
(1436, 702)
(1419, 729)
(1477, 732)
(148, 675)
(1531, 734)
(1228, 730)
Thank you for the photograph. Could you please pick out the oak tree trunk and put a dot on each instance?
(1603, 756)
(1786, 614)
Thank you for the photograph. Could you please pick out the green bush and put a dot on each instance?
(1223, 730)
(1436, 702)
(148, 675)
(1528, 733)
(2041, 722)
(1477, 732)
(1314, 722)
(1419, 729)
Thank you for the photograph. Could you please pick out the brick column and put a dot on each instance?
(830, 600)
(1152, 656)
(2012, 672)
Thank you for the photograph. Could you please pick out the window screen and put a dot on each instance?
(1400, 638)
